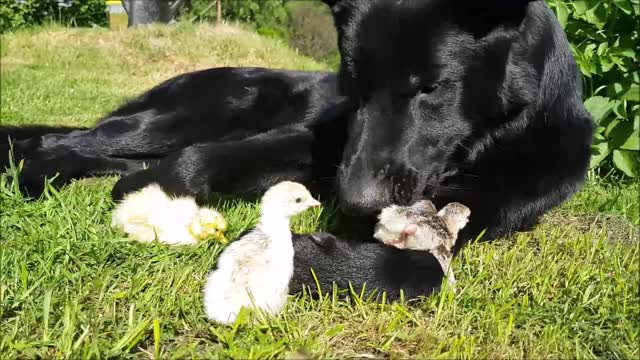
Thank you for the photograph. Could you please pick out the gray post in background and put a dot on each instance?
(150, 11)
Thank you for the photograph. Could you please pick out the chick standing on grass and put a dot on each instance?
(255, 270)
(149, 213)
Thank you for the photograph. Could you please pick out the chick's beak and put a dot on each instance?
(313, 203)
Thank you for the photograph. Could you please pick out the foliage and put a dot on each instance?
(15, 14)
(604, 39)
(268, 16)
(312, 32)
(305, 25)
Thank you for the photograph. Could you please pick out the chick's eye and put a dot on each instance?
(298, 200)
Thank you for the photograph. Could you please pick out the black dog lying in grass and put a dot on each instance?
(477, 102)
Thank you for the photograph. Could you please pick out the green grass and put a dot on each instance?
(72, 287)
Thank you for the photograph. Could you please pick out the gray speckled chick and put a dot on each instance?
(422, 227)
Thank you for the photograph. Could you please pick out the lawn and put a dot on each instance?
(72, 287)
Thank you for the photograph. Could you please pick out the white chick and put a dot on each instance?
(149, 214)
(255, 270)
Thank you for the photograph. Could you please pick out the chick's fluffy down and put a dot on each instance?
(251, 272)
(149, 214)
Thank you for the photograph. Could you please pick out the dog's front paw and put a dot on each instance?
(34, 174)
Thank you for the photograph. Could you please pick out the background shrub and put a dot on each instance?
(604, 40)
(269, 17)
(15, 14)
(305, 25)
(312, 32)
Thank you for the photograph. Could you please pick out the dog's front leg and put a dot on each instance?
(242, 167)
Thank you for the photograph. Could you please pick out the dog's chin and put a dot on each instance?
(429, 192)
(436, 187)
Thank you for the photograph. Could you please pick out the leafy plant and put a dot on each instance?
(15, 14)
(269, 17)
(305, 25)
(312, 32)
(604, 39)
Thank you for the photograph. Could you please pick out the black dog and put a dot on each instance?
(477, 102)
(230, 130)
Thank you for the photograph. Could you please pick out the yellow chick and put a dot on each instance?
(209, 224)
(149, 214)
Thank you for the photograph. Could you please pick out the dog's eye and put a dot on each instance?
(427, 89)
(298, 200)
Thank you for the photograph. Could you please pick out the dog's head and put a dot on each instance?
(425, 75)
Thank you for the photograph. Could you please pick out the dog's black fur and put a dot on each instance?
(375, 266)
(477, 102)
(232, 130)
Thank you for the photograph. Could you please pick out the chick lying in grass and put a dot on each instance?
(149, 214)
(254, 271)
(422, 227)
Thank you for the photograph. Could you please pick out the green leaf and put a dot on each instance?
(599, 107)
(606, 64)
(595, 17)
(633, 94)
(624, 5)
(619, 108)
(602, 48)
(633, 141)
(588, 51)
(628, 52)
(620, 62)
(627, 161)
(619, 133)
(599, 152)
(580, 7)
(562, 12)
(600, 88)
(585, 68)
(611, 127)
(625, 91)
